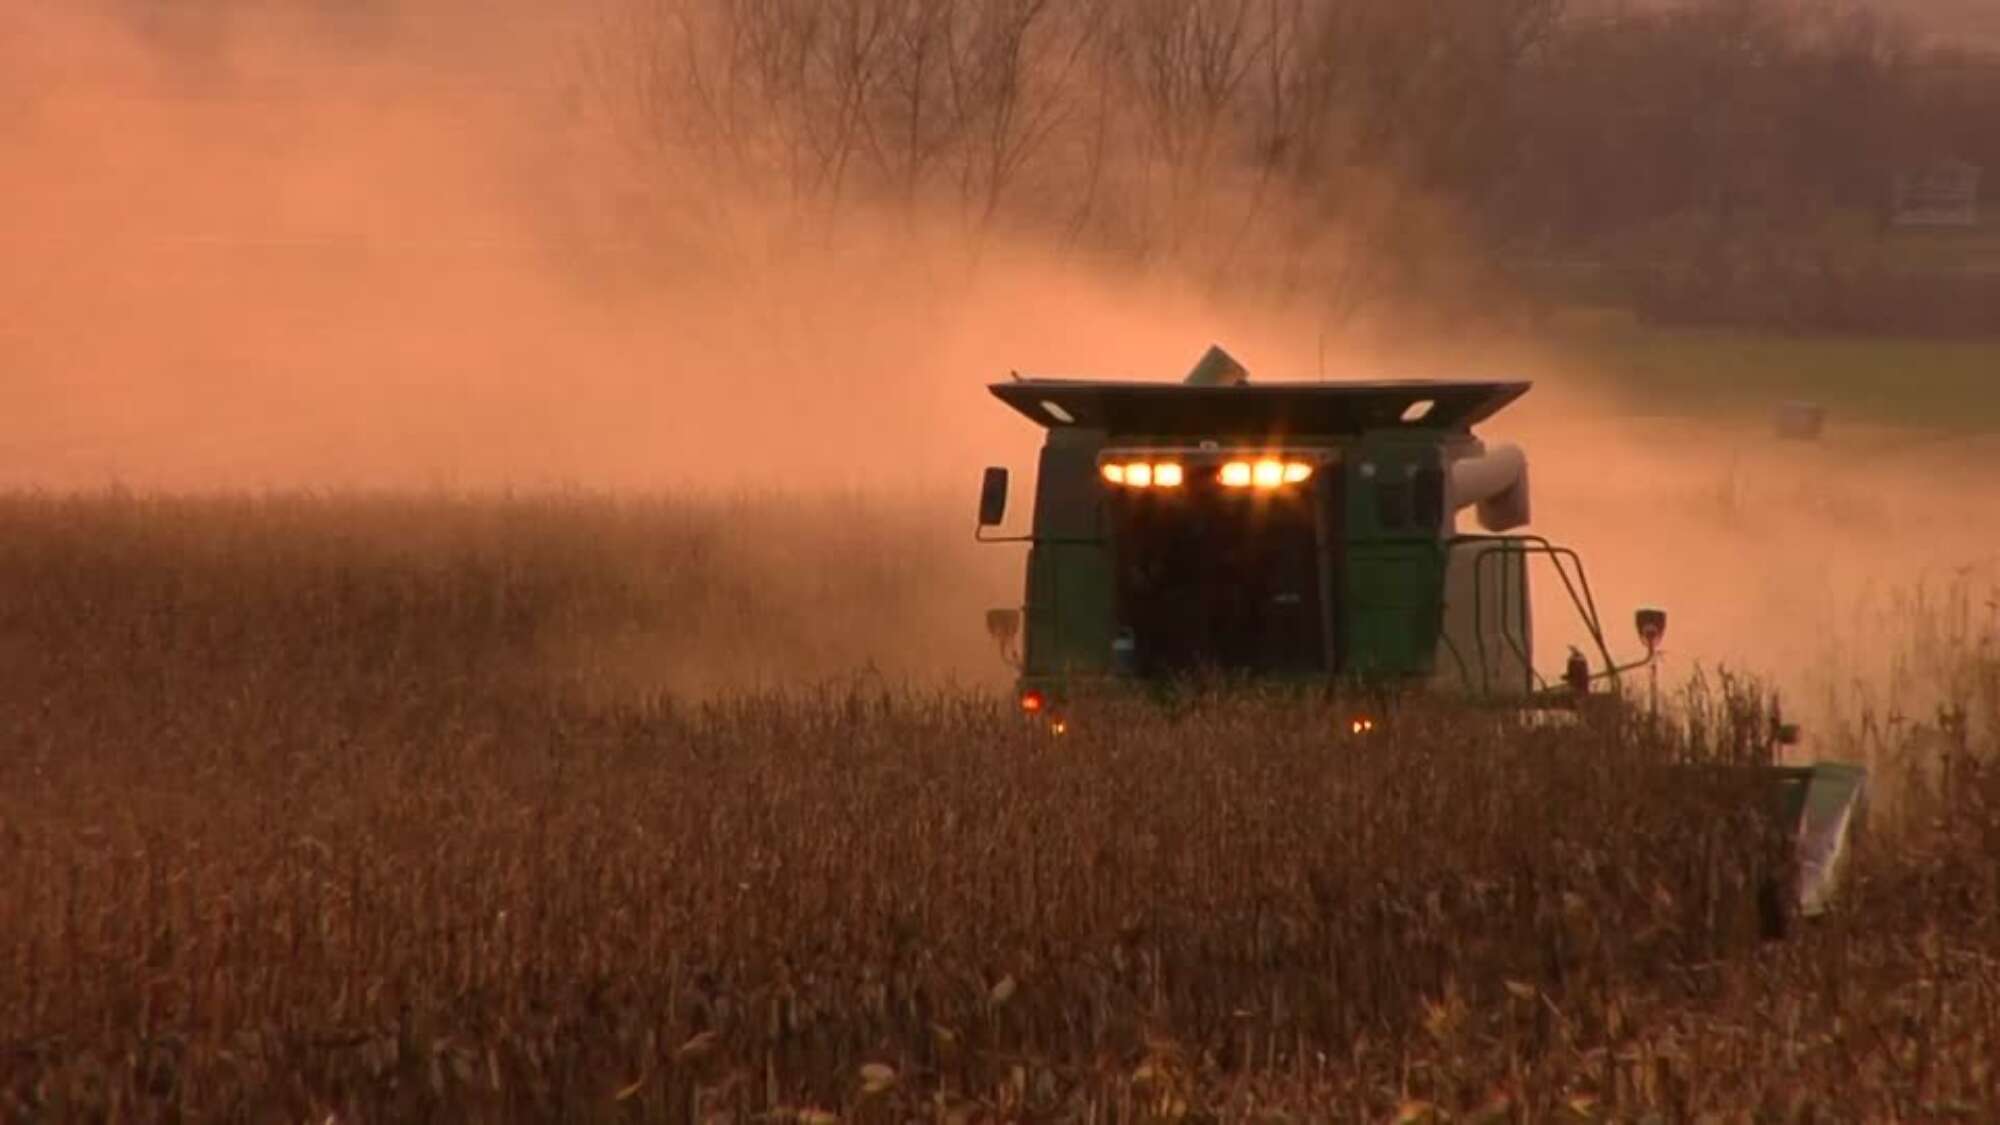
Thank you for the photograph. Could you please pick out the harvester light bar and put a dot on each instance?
(1265, 474)
(1146, 474)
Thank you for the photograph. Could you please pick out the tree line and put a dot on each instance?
(1354, 149)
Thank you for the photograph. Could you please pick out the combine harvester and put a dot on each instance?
(1307, 533)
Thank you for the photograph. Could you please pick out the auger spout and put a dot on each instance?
(1496, 483)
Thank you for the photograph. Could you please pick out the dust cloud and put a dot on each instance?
(389, 246)
(329, 245)
(1855, 572)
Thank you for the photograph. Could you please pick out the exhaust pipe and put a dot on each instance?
(1496, 483)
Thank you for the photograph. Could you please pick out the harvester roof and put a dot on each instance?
(1256, 410)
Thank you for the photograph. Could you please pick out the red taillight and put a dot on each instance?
(1033, 702)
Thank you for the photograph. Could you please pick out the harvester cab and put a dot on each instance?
(1308, 532)
(1296, 531)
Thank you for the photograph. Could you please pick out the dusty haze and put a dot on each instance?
(331, 245)
(400, 245)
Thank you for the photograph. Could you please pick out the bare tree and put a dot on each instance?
(1331, 147)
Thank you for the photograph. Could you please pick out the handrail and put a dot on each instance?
(1582, 599)
(1458, 658)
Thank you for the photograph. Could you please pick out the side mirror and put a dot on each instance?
(1652, 625)
(993, 498)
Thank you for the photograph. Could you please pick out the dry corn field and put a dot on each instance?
(352, 810)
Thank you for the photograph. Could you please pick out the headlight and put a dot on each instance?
(1145, 474)
(1265, 474)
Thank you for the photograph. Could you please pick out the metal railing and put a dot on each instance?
(1568, 566)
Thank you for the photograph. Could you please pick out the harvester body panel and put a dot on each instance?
(1068, 610)
(1487, 613)
(1341, 575)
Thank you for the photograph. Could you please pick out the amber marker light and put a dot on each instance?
(1264, 475)
(1144, 474)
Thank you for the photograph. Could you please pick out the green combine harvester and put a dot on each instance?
(1307, 533)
